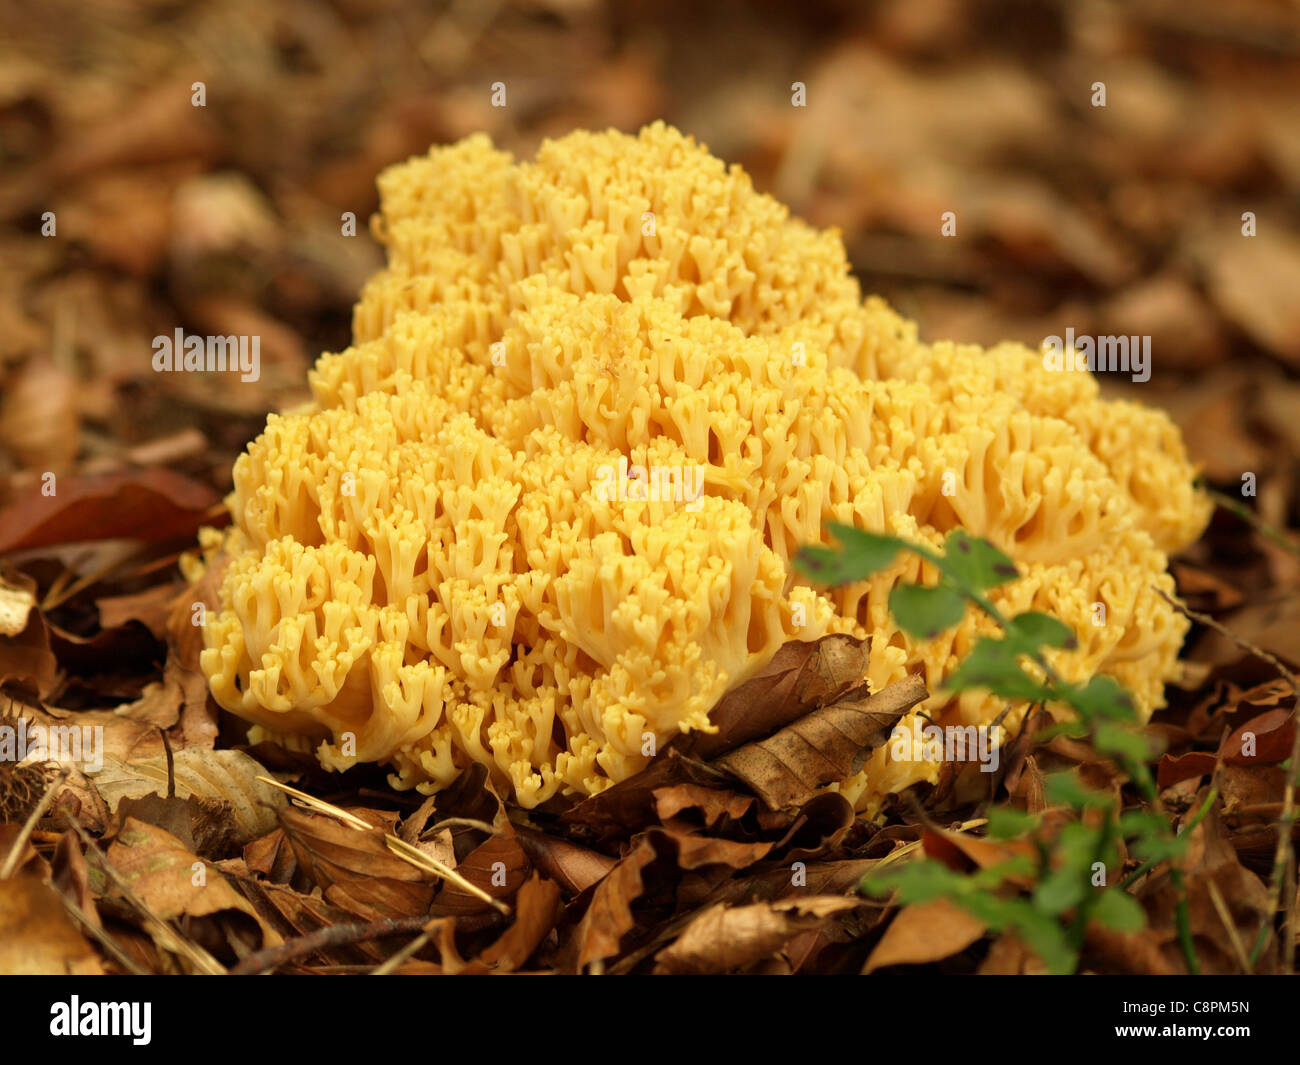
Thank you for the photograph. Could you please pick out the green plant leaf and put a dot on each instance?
(1031, 630)
(1118, 910)
(925, 612)
(1066, 789)
(861, 554)
(994, 665)
(1040, 932)
(1122, 742)
(1101, 697)
(1006, 822)
(975, 564)
(1138, 824)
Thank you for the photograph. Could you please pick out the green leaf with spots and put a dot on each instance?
(975, 564)
(925, 612)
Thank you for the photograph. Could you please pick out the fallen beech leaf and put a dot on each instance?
(1184, 767)
(172, 881)
(1270, 736)
(573, 867)
(1126, 952)
(694, 851)
(725, 939)
(818, 878)
(229, 776)
(153, 504)
(828, 744)
(925, 933)
(954, 849)
(355, 869)
(70, 875)
(609, 914)
(499, 866)
(799, 678)
(622, 810)
(1210, 859)
(713, 803)
(822, 824)
(536, 910)
(37, 937)
(151, 608)
(272, 856)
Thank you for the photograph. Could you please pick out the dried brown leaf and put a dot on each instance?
(923, 933)
(828, 744)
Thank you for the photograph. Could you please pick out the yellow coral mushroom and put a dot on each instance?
(541, 514)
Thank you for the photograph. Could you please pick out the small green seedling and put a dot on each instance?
(1049, 893)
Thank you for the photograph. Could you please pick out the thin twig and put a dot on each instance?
(403, 955)
(335, 935)
(1235, 506)
(1221, 907)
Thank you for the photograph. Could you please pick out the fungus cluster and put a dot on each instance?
(444, 560)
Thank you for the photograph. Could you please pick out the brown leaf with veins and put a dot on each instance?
(726, 939)
(923, 933)
(573, 867)
(826, 745)
(498, 866)
(172, 881)
(799, 678)
(355, 869)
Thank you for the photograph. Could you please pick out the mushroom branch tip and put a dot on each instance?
(541, 514)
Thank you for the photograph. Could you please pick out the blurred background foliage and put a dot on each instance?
(225, 219)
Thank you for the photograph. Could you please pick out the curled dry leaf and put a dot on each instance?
(726, 939)
(228, 776)
(25, 652)
(828, 744)
(609, 915)
(800, 677)
(354, 868)
(536, 910)
(713, 804)
(1211, 865)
